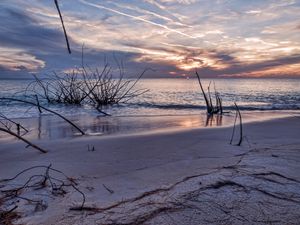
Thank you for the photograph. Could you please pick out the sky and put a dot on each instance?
(219, 38)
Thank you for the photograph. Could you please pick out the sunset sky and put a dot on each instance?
(222, 38)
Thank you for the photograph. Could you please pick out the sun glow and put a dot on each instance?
(172, 35)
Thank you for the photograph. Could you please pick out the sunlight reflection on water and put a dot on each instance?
(171, 104)
(178, 97)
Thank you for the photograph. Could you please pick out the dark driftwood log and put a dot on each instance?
(23, 139)
(44, 108)
(63, 26)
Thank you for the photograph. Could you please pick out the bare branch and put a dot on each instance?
(237, 115)
(44, 108)
(23, 139)
(63, 26)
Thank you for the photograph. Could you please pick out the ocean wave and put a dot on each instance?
(228, 108)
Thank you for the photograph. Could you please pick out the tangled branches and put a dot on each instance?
(87, 86)
(211, 109)
(48, 179)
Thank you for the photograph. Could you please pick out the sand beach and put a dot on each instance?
(189, 176)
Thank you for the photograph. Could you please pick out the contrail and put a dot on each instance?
(138, 18)
(139, 10)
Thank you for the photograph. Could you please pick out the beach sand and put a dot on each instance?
(190, 176)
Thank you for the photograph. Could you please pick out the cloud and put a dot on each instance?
(19, 30)
(138, 19)
(15, 60)
(280, 67)
(185, 2)
(173, 36)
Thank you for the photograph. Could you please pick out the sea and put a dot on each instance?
(168, 105)
(173, 97)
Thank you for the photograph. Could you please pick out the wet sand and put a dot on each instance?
(50, 127)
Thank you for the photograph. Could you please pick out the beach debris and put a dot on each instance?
(108, 189)
(41, 206)
(210, 107)
(41, 179)
(23, 139)
(7, 123)
(241, 137)
(8, 216)
(44, 108)
(240, 193)
(108, 90)
(84, 85)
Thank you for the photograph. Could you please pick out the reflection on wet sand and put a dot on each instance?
(50, 127)
(213, 120)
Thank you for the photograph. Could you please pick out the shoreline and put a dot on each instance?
(144, 169)
(50, 127)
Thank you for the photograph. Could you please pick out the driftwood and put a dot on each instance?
(56, 88)
(87, 86)
(22, 139)
(237, 115)
(44, 108)
(108, 189)
(41, 180)
(63, 26)
(18, 125)
(8, 216)
(211, 109)
(103, 89)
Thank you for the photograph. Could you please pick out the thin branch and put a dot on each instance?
(204, 94)
(63, 26)
(23, 139)
(237, 115)
(10, 120)
(44, 108)
(241, 124)
(233, 129)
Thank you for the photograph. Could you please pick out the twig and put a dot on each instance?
(11, 121)
(56, 185)
(233, 129)
(241, 125)
(108, 189)
(23, 139)
(37, 105)
(237, 115)
(211, 109)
